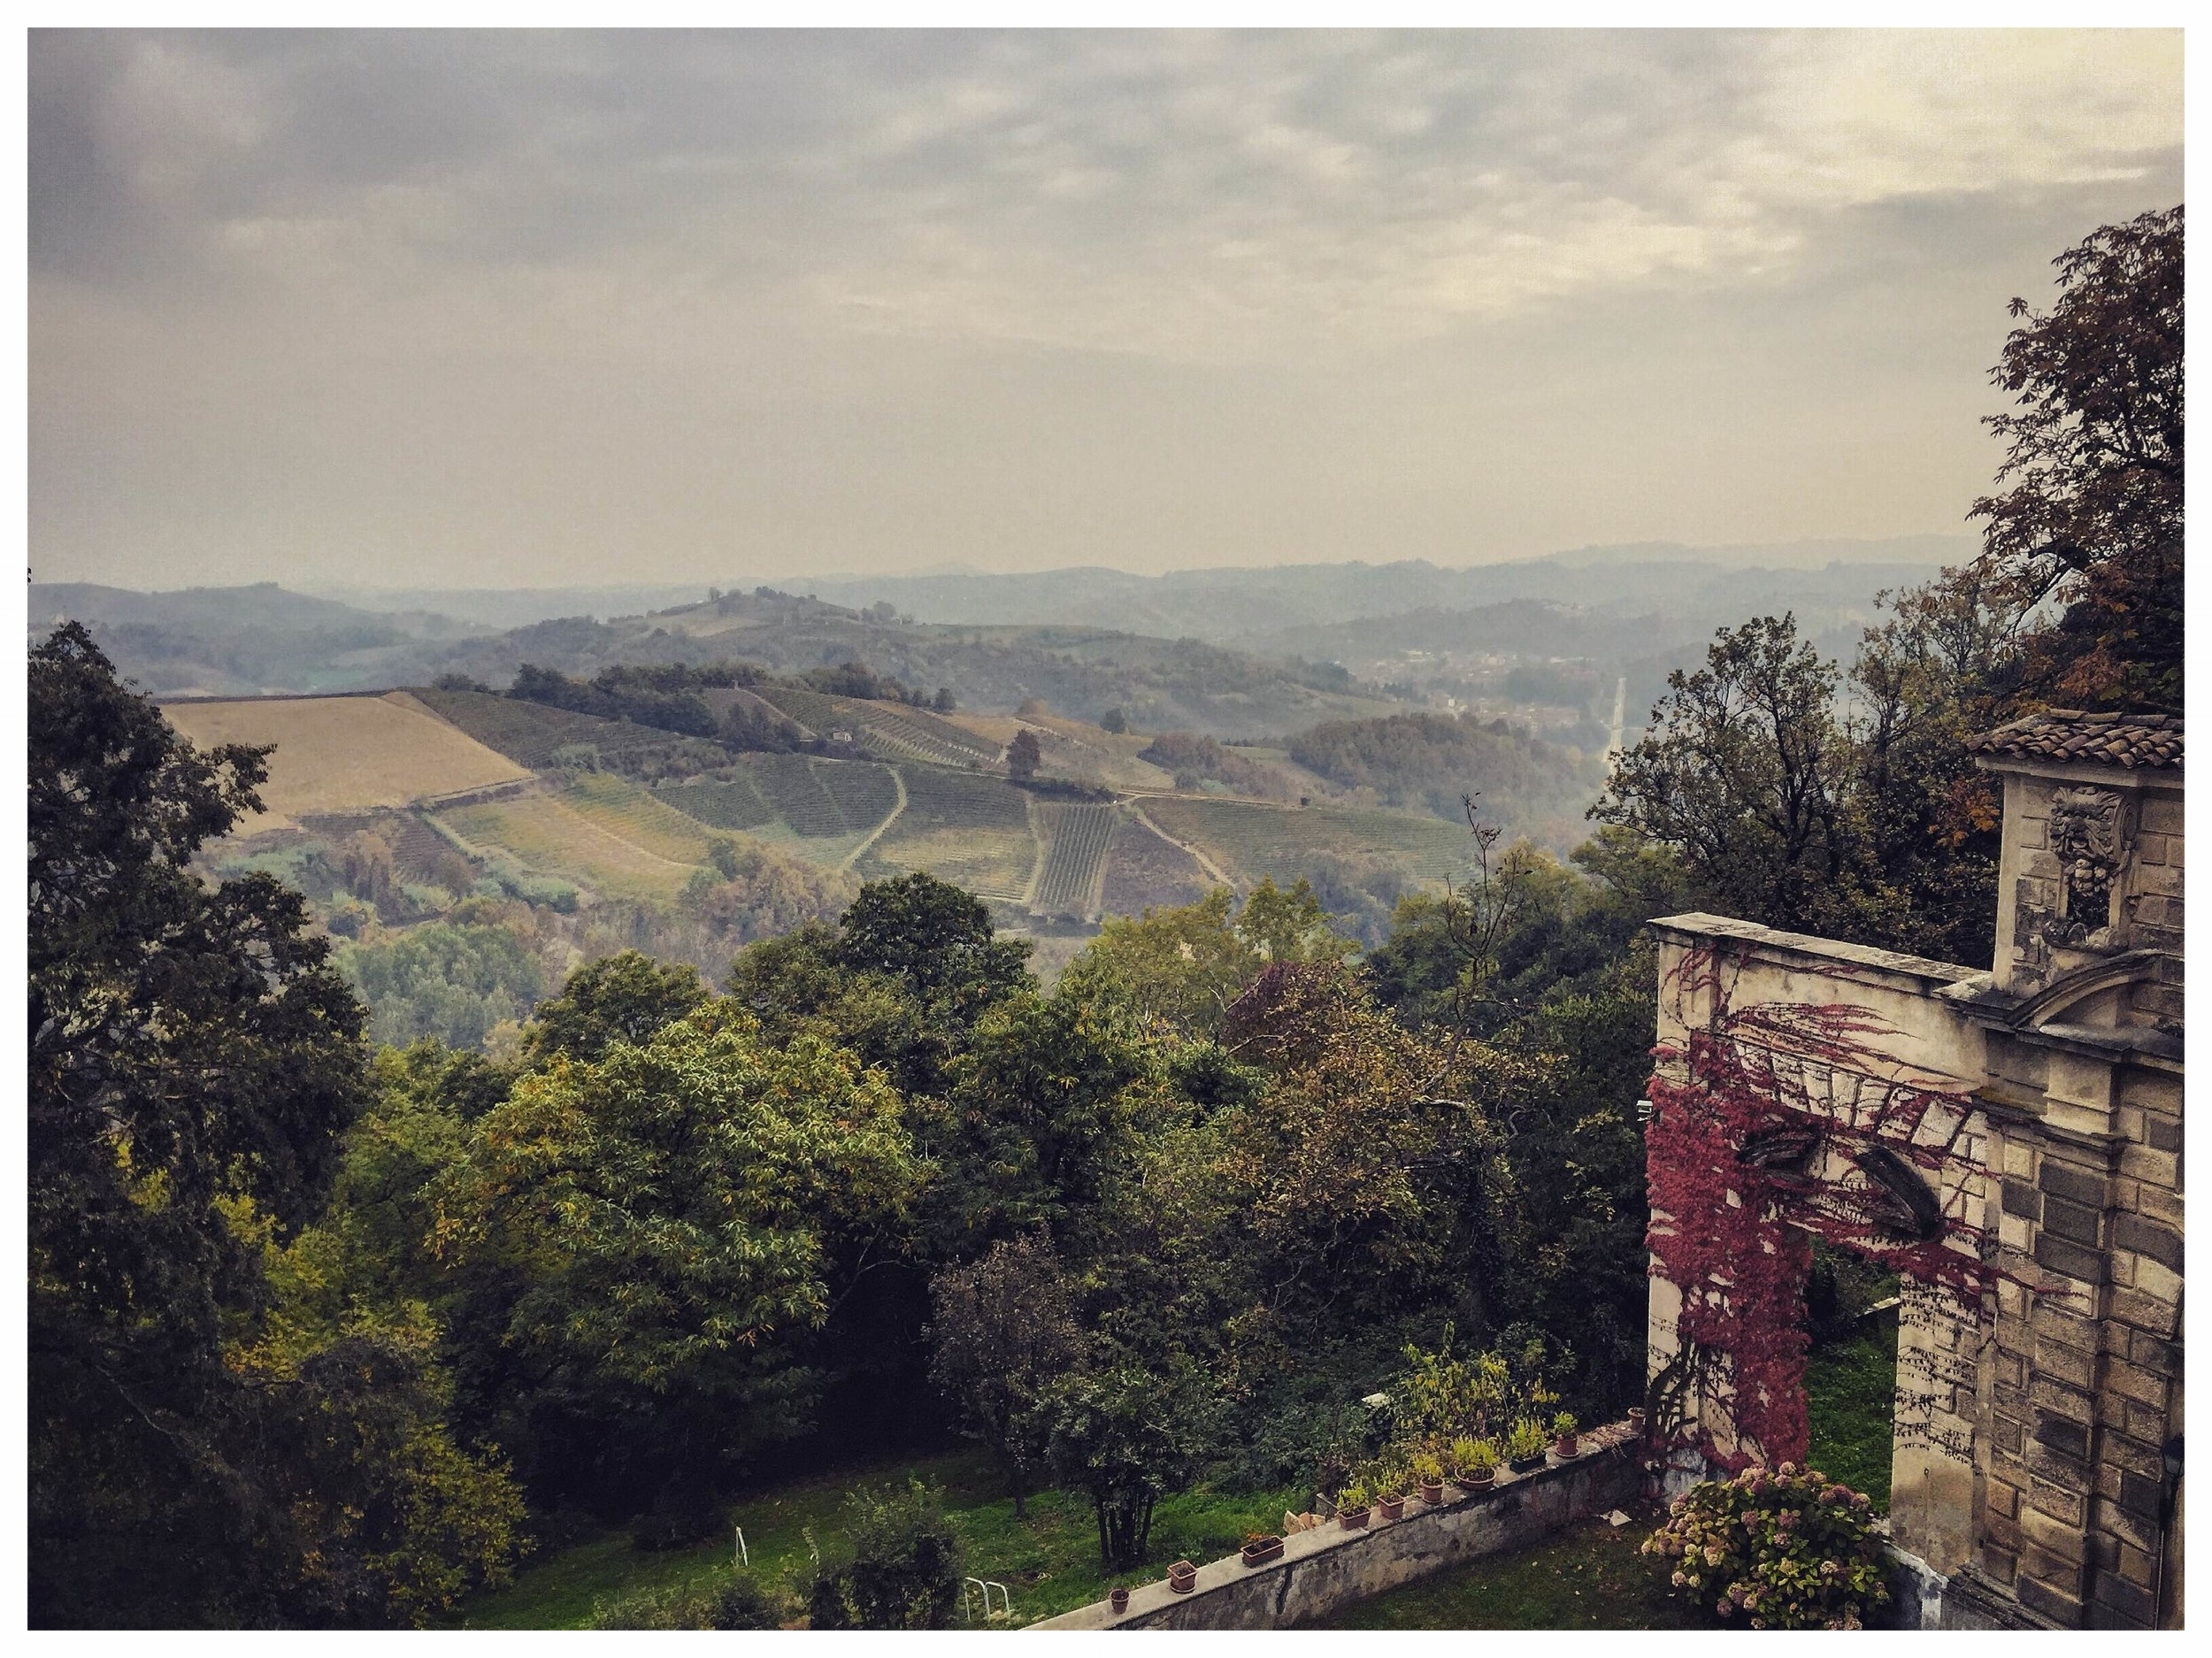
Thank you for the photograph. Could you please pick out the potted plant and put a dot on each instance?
(1262, 1547)
(1475, 1462)
(1636, 1421)
(1351, 1506)
(1117, 1599)
(1524, 1447)
(1564, 1439)
(1428, 1469)
(1390, 1489)
(1182, 1577)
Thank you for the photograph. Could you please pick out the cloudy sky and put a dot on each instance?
(528, 310)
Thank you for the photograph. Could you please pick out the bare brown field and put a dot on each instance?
(346, 754)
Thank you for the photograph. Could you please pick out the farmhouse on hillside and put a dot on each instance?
(2009, 1141)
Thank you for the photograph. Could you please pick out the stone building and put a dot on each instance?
(2010, 1139)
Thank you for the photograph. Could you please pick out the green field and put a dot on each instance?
(1048, 1561)
(1851, 1399)
(1592, 1577)
(1255, 840)
(546, 835)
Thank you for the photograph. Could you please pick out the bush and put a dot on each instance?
(731, 1600)
(1791, 1549)
(904, 1568)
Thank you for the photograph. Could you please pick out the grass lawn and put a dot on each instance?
(1590, 1577)
(1850, 1394)
(1048, 1561)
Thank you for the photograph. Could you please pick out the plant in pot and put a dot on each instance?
(1564, 1439)
(1262, 1547)
(1524, 1447)
(1428, 1470)
(1476, 1463)
(1182, 1577)
(1390, 1488)
(1351, 1506)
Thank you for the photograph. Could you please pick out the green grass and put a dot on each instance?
(1592, 1577)
(1047, 1561)
(1258, 841)
(1851, 1396)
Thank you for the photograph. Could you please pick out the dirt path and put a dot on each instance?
(898, 781)
(1212, 869)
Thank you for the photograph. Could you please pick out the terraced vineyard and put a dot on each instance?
(864, 793)
(1254, 840)
(818, 713)
(1074, 857)
(963, 827)
(1144, 871)
(789, 783)
(917, 735)
(729, 800)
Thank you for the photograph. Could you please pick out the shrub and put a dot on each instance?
(1790, 1549)
(1526, 1439)
(735, 1600)
(904, 1566)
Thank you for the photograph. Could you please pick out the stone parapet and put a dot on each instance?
(1322, 1571)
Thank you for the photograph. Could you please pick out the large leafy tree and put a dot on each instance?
(193, 1060)
(650, 1240)
(2089, 512)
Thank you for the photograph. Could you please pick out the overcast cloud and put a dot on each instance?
(542, 309)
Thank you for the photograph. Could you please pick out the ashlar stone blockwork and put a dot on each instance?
(2009, 1140)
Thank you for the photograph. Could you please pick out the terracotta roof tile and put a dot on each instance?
(2063, 734)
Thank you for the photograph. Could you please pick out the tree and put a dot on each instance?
(2093, 517)
(1129, 1435)
(651, 1237)
(624, 997)
(943, 701)
(1023, 756)
(193, 1061)
(933, 938)
(1172, 971)
(1115, 719)
(1289, 925)
(1744, 774)
(1003, 1331)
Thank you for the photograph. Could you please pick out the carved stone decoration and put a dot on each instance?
(1897, 1198)
(2086, 839)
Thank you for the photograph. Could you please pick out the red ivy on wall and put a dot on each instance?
(1736, 1239)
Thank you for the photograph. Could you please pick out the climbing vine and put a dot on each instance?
(1762, 1105)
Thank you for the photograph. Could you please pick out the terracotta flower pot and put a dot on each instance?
(1182, 1577)
(1391, 1507)
(1636, 1423)
(1352, 1519)
(1568, 1446)
(1118, 1600)
(1474, 1483)
(1261, 1550)
(1433, 1493)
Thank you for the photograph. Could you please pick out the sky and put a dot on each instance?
(531, 310)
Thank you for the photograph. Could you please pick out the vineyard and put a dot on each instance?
(1144, 871)
(1254, 841)
(789, 783)
(728, 801)
(546, 835)
(1074, 857)
(962, 827)
(864, 793)
(529, 733)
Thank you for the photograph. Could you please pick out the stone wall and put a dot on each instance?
(1324, 1569)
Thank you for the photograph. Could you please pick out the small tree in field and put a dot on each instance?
(1022, 757)
(1002, 1331)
